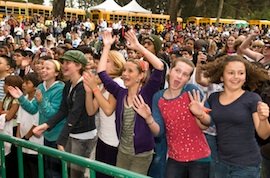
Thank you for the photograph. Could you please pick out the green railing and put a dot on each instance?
(65, 158)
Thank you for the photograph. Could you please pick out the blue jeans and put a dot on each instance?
(224, 170)
(158, 165)
(214, 158)
(193, 169)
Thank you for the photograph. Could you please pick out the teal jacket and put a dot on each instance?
(49, 106)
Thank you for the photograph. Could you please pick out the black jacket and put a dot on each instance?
(73, 109)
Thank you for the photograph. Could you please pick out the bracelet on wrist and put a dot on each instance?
(95, 90)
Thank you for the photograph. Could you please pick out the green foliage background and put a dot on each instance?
(240, 9)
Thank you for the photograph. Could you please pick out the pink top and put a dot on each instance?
(186, 141)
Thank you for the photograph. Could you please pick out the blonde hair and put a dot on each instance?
(57, 65)
(258, 43)
(58, 68)
(118, 60)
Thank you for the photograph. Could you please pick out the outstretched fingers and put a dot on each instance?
(194, 95)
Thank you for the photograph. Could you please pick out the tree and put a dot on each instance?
(173, 9)
(220, 7)
(58, 8)
(36, 1)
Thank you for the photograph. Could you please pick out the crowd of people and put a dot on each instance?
(157, 99)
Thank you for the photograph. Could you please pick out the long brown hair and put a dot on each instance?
(14, 81)
(254, 74)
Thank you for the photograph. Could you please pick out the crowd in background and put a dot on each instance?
(158, 99)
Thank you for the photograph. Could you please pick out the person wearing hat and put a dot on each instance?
(50, 42)
(157, 168)
(152, 43)
(78, 135)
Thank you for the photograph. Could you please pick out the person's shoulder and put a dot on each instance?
(59, 84)
(213, 95)
(159, 93)
(190, 87)
(119, 81)
(252, 95)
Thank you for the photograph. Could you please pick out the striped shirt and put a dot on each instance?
(2, 93)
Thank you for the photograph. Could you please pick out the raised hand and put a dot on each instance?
(132, 41)
(38, 130)
(107, 38)
(196, 106)
(38, 96)
(263, 110)
(141, 107)
(15, 91)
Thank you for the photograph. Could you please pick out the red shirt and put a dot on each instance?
(186, 141)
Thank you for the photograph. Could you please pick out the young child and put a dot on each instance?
(26, 123)
(47, 102)
(179, 113)
(136, 142)
(78, 135)
(106, 149)
(5, 65)
(8, 109)
(236, 116)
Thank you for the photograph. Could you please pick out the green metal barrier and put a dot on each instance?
(65, 157)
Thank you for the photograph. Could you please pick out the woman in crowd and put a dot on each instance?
(228, 49)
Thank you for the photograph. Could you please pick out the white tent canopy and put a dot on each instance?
(108, 5)
(133, 6)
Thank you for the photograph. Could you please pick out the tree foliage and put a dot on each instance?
(240, 9)
(30, 1)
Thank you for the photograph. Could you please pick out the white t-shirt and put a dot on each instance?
(27, 121)
(107, 129)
